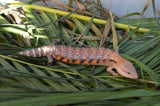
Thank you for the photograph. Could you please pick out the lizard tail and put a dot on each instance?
(38, 52)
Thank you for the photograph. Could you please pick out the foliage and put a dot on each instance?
(29, 81)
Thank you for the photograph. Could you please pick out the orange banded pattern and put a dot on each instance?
(73, 55)
(83, 55)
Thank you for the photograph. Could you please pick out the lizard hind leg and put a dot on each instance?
(110, 70)
(56, 41)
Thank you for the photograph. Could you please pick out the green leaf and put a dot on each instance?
(131, 14)
(80, 97)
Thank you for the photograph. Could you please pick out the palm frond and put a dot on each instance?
(27, 80)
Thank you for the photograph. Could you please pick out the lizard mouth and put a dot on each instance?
(134, 77)
(130, 75)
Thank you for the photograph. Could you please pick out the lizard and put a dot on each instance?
(86, 56)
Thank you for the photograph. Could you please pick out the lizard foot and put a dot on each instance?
(110, 70)
(50, 60)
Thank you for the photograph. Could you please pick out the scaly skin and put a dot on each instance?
(86, 56)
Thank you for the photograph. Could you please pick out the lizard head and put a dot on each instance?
(126, 69)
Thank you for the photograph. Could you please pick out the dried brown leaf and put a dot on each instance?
(146, 6)
(106, 32)
(80, 6)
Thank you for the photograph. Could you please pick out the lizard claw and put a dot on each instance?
(109, 69)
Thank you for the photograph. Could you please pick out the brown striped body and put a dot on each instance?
(85, 56)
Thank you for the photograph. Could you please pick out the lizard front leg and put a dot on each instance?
(50, 60)
(110, 70)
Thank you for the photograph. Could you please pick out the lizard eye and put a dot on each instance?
(128, 73)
